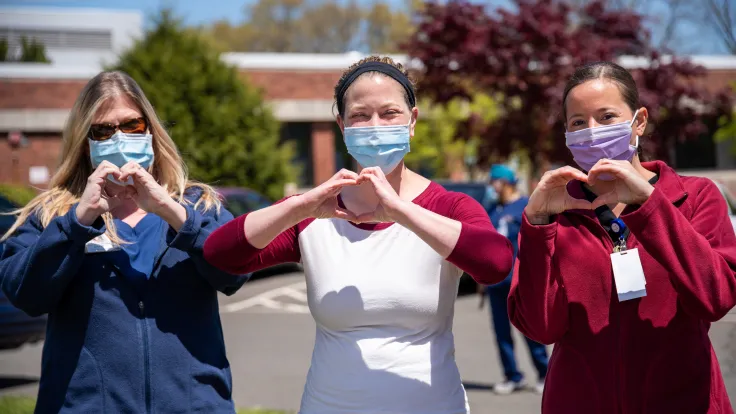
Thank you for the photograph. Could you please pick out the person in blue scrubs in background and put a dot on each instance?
(112, 251)
(506, 217)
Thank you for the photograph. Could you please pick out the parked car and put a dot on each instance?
(16, 327)
(479, 192)
(240, 201)
(730, 201)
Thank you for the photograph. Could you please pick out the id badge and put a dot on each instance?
(628, 275)
(101, 244)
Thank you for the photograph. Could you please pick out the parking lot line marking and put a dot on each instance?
(266, 298)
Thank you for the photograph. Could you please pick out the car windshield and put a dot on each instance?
(729, 200)
(477, 191)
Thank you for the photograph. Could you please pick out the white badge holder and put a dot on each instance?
(628, 273)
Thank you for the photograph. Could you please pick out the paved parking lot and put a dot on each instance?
(269, 335)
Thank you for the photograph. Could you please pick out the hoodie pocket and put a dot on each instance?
(84, 394)
(211, 387)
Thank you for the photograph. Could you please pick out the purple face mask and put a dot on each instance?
(590, 145)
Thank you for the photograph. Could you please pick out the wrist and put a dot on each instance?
(647, 193)
(173, 213)
(536, 218)
(400, 212)
(297, 211)
(85, 215)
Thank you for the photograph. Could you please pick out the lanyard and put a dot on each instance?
(619, 228)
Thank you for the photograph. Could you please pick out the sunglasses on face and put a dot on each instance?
(102, 132)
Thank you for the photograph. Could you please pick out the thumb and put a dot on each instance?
(605, 199)
(578, 204)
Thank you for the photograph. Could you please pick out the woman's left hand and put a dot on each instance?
(629, 188)
(389, 203)
(151, 197)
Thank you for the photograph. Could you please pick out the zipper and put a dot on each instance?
(146, 361)
(146, 351)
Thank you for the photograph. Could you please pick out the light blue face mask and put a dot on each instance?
(122, 148)
(381, 146)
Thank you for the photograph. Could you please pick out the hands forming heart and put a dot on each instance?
(321, 202)
(388, 200)
(551, 196)
(101, 195)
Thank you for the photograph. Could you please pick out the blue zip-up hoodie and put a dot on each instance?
(114, 346)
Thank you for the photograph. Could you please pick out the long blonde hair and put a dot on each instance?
(70, 179)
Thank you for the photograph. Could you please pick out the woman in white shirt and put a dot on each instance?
(383, 251)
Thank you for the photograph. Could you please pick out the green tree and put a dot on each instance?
(32, 51)
(727, 130)
(225, 132)
(436, 150)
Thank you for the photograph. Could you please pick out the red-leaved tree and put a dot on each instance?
(524, 59)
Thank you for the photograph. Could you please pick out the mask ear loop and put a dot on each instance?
(632, 125)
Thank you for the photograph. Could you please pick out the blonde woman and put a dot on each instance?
(133, 316)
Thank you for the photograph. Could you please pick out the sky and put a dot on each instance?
(193, 12)
(690, 40)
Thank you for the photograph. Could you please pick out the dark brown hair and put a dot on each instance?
(604, 70)
(383, 59)
(614, 73)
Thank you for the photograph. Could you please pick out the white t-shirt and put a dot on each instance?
(383, 301)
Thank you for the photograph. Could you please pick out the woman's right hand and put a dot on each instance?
(551, 196)
(321, 202)
(100, 195)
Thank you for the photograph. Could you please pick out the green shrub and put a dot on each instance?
(12, 404)
(17, 194)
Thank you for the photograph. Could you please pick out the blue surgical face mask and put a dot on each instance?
(122, 148)
(381, 146)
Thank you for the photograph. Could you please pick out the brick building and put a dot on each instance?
(35, 98)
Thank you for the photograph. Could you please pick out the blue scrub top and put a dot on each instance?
(136, 259)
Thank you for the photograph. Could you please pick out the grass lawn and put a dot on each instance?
(24, 405)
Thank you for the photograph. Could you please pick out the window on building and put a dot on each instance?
(59, 39)
(300, 133)
(342, 158)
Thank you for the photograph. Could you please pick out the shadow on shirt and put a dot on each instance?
(366, 378)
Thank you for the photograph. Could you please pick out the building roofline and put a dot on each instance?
(47, 71)
(67, 10)
(299, 61)
(341, 61)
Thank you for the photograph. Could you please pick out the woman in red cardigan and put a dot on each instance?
(623, 267)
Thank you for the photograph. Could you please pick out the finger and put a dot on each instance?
(104, 169)
(605, 168)
(579, 204)
(344, 214)
(372, 179)
(605, 199)
(343, 173)
(366, 217)
(337, 185)
(567, 173)
(378, 172)
(127, 170)
(134, 170)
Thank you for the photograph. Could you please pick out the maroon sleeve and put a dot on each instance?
(700, 253)
(481, 251)
(537, 302)
(229, 250)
